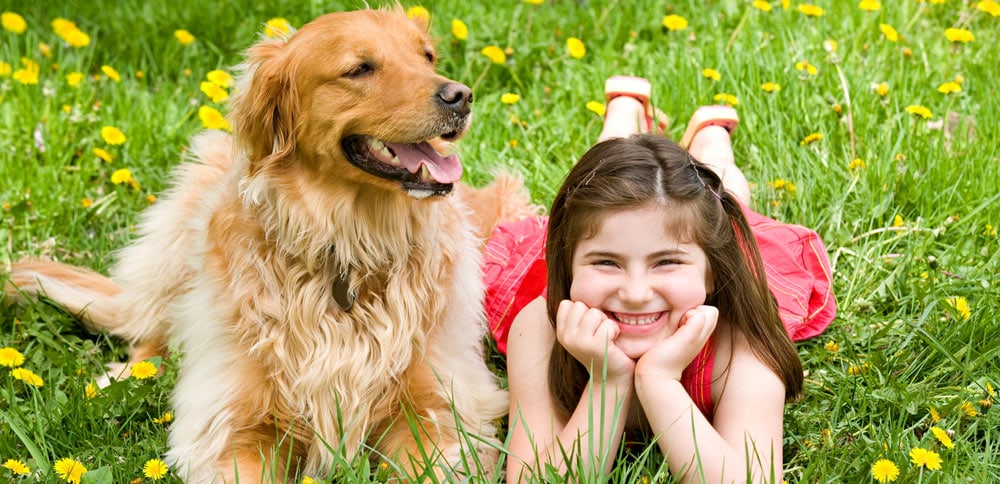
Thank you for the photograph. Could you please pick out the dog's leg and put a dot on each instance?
(428, 440)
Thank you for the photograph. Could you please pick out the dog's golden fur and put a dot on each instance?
(236, 266)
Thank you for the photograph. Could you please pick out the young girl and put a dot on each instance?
(657, 313)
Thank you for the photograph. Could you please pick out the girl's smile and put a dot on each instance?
(640, 275)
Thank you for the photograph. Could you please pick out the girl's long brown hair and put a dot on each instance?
(622, 174)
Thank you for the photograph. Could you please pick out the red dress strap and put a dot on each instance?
(697, 378)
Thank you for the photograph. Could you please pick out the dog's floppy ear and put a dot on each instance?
(266, 104)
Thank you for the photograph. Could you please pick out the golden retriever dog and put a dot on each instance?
(318, 271)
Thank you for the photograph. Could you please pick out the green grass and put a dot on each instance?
(908, 231)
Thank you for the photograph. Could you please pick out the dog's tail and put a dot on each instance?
(85, 293)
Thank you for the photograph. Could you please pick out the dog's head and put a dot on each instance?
(353, 95)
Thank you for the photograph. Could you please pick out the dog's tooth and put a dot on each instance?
(425, 174)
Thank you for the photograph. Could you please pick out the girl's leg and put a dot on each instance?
(623, 117)
(713, 147)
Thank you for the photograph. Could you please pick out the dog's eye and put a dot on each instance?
(361, 70)
(430, 56)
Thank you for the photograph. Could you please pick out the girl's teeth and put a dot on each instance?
(637, 321)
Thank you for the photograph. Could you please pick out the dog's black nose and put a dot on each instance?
(456, 96)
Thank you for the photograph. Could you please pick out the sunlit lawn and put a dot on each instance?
(875, 124)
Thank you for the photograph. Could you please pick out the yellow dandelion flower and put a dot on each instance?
(919, 111)
(494, 54)
(184, 37)
(596, 107)
(28, 74)
(989, 6)
(989, 387)
(889, 32)
(70, 33)
(69, 470)
(761, 5)
(211, 118)
(943, 437)
(459, 29)
(969, 409)
(832, 346)
(277, 27)
(143, 370)
(711, 74)
(17, 467)
(884, 470)
(419, 13)
(4, 69)
(959, 35)
(46, 51)
(807, 67)
(812, 138)
(514, 143)
(167, 417)
(308, 480)
(61, 26)
(112, 135)
(27, 376)
(90, 391)
(575, 48)
(74, 78)
(150, 198)
(726, 99)
(925, 458)
(111, 73)
(870, 5)
(897, 221)
(10, 357)
(535, 2)
(771, 86)
(949, 87)
(103, 154)
(810, 10)
(214, 92)
(935, 416)
(86, 202)
(220, 78)
(121, 175)
(857, 164)
(510, 98)
(961, 306)
(77, 38)
(154, 469)
(675, 22)
(882, 89)
(13, 22)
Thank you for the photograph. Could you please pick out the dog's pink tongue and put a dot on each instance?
(443, 169)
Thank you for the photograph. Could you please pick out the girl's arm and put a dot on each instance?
(538, 436)
(743, 443)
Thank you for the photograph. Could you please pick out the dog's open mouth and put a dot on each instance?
(419, 169)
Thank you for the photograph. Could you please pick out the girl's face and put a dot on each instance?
(640, 275)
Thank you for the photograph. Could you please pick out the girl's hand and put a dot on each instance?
(589, 335)
(670, 357)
